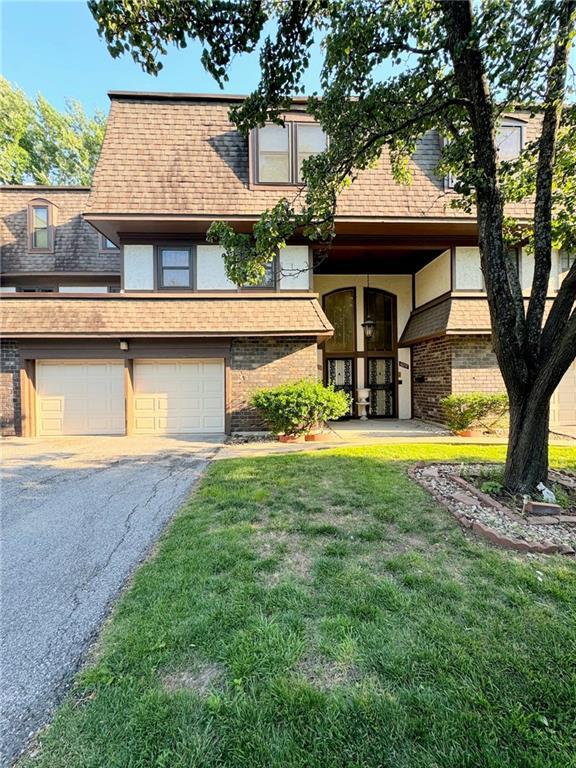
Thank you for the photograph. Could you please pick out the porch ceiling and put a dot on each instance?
(395, 259)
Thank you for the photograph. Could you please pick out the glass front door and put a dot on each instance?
(380, 381)
(340, 373)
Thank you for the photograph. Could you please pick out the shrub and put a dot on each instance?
(462, 411)
(293, 409)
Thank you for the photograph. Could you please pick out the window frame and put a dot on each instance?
(275, 281)
(293, 168)
(344, 353)
(106, 248)
(40, 202)
(191, 249)
(507, 122)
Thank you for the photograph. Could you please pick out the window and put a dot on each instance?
(310, 141)
(269, 280)
(280, 151)
(379, 307)
(340, 310)
(274, 154)
(107, 245)
(566, 261)
(40, 225)
(509, 140)
(175, 267)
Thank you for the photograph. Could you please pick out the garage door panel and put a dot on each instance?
(178, 397)
(88, 398)
(563, 403)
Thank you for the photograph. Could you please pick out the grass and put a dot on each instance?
(317, 610)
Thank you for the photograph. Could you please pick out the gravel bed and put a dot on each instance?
(438, 478)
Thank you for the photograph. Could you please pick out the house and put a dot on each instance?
(118, 317)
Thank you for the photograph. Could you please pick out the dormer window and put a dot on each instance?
(280, 150)
(510, 139)
(40, 226)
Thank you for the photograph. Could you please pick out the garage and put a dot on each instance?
(80, 398)
(178, 396)
(563, 405)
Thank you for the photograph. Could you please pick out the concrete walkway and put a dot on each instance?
(372, 432)
(78, 514)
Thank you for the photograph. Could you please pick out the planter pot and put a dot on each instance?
(465, 432)
(290, 438)
(317, 437)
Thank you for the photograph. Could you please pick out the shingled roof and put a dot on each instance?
(179, 154)
(453, 316)
(118, 315)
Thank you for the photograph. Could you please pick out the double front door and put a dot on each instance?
(378, 378)
(368, 359)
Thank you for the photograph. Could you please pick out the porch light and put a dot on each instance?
(123, 345)
(369, 325)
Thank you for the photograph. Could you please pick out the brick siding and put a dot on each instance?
(257, 363)
(431, 377)
(9, 388)
(452, 364)
(474, 366)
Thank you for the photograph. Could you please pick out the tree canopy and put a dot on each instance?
(40, 144)
(391, 72)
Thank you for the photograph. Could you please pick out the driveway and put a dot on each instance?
(78, 514)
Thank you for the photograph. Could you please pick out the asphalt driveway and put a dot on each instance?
(78, 514)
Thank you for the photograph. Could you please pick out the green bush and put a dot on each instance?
(293, 409)
(477, 408)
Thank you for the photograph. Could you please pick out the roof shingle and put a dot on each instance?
(144, 316)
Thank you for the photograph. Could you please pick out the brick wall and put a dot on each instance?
(9, 388)
(431, 377)
(258, 363)
(474, 365)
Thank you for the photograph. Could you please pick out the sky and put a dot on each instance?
(54, 48)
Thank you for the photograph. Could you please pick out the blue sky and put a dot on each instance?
(53, 48)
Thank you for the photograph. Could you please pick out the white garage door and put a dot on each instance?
(563, 405)
(80, 398)
(178, 396)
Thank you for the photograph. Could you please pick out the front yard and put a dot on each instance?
(320, 609)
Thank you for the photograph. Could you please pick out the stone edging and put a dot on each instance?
(480, 529)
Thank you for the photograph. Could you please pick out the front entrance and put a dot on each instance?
(363, 351)
(380, 382)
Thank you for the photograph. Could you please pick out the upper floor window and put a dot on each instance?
(40, 226)
(510, 140)
(175, 267)
(269, 279)
(107, 245)
(281, 149)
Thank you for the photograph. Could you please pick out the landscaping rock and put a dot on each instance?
(542, 508)
(492, 520)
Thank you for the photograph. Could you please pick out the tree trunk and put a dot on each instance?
(527, 456)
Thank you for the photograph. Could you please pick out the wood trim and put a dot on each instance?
(28, 398)
(129, 395)
(108, 349)
(227, 394)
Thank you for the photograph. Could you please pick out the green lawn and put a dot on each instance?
(319, 610)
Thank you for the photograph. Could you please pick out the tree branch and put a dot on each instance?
(555, 92)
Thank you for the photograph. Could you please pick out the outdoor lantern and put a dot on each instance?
(369, 325)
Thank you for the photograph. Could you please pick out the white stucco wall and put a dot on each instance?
(210, 270)
(295, 272)
(433, 280)
(401, 287)
(138, 267)
(468, 275)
